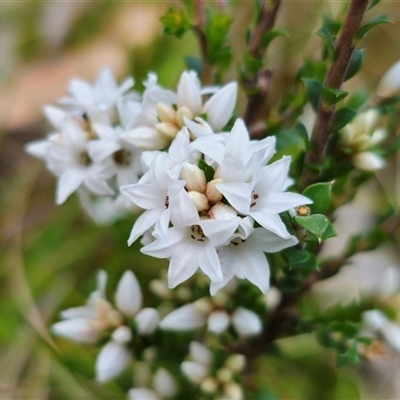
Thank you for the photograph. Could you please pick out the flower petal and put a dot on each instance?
(187, 317)
(218, 321)
(246, 322)
(147, 321)
(128, 297)
(113, 359)
(76, 329)
(164, 383)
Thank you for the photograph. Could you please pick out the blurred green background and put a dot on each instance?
(49, 254)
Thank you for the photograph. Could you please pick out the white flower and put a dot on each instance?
(389, 84)
(197, 369)
(375, 321)
(89, 323)
(97, 101)
(164, 112)
(163, 384)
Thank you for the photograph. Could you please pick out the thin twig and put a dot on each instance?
(258, 85)
(334, 79)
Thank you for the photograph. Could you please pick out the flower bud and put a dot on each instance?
(222, 211)
(368, 161)
(213, 194)
(122, 335)
(233, 391)
(199, 200)
(165, 113)
(389, 86)
(114, 318)
(183, 112)
(204, 305)
(209, 385)
(194, 177)
(224, 374)
(167, 130)
(160, 288)
(236, 362)
(194, 371)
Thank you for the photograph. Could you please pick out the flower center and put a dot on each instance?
(166, 203)
(85, 159)
(255, 196)
(122, 157)
(197, 233)
(237, 241)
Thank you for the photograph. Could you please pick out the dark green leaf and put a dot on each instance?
(357, 99)
(194, 63)
(328, 40)
(380, 19)
(342, 117)
(313, 88)
(329, 232)
(316, 224)
(175, 22)
(332, 25)
(320, 194)
(355, 63)
(252, 65)
(373, 4)
(268, 37)
(332, 96)
(208, 170)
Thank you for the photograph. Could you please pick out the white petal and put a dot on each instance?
(82, 92)
(200, 353)
(128, 297)
(237, 140)
(142, 394)
(122, 335)
(270, 242)
(113, 359)
(69, 181)
(246, 322)
(147, 321)
(219, 231)
(390, 83)
(183, 211)
(279, 202)
(220, 107)
(187, 317)
(194, 371)
(164, 383)
(146, 138)
(368, 161)
(270, 221)
(184, 262)
(100, 149)
(38, 149)
(143, 223)
(218, 321)
(77, 329)
(56, 116)
(78, 312)
(189, 93)
(209, 262)
(374, 319)
(238, 194)
(391, 332)
(273, 177)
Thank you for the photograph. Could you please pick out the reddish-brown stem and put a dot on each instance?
(258, 84)
(334, 79)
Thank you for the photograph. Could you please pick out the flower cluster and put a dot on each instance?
(213, 204)
(99, 319)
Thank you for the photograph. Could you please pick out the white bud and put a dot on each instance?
(194, 177)
(122, 335)
(199, 200)
(147, 321)
(165, 113)
(222, 211)
(218, 321)
(224, 375)
(213, 194)
(160, 288)
(204, 305)
(368, 161)
(167, 130)
(164, 383)
(194, 371)
(236, 362)
(272, 298)
(181, 113)
(233, 391)
(209, 385)
(389, 85)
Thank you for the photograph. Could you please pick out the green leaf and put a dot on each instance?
(373, 4)
(252, 65)
(329, 232)
(358, 98)
(355, 63)
(332, 96)
(207, 169)
(175, 22)
(326, 36)
(380, 19)
(268, 37)
(313, 88)
(342, 117)
(194, 63)
(316, 223)
(320, 194)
